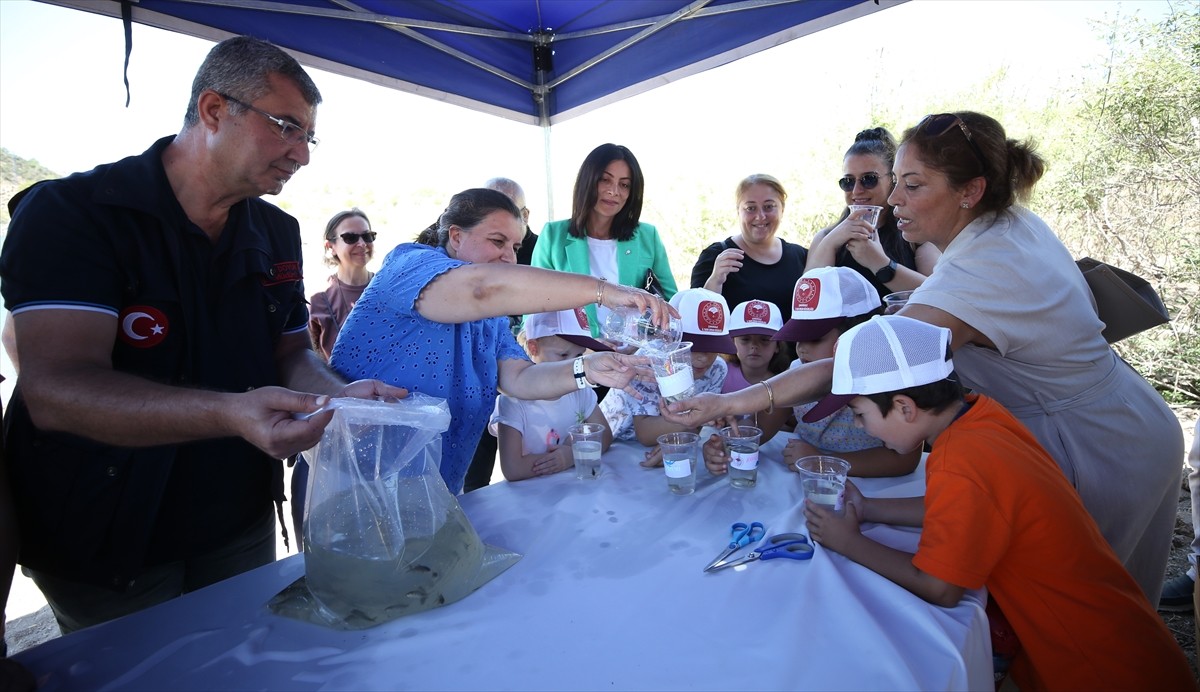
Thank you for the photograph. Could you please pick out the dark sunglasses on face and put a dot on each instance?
(868, 181)
(352, 238)
(940, 124)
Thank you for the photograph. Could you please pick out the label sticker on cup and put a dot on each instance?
(676, 383)
(677, 468)
(744, 461)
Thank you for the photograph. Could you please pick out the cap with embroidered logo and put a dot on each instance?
(822, 298)
(755, 317)
(705, 318)
(569, 325)
(887, 354)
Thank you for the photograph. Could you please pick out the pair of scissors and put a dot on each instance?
(792, 546)
(741, 535)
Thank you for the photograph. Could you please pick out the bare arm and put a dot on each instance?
(842, 534)
(876, 462)
(8, 335)
(517, 465)
(648, 428)
(808, 382)
(897, 566)
(477, 291)
(927, 257)
(821, 253)
(69, 385)
(729, 261)
(300, 367)
(521, 379)
(962, 333)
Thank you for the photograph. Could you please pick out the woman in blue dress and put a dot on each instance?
(434, 320)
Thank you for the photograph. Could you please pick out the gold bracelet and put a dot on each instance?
(770, 397)
(600, 291)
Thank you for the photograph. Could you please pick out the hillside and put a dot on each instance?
(17, 174)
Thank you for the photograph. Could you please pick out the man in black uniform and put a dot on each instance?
(156, 341)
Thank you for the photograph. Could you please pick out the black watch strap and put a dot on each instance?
(887, 273)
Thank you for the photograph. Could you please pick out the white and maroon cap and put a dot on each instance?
(887, 354)
(705, 318)
(755, 317)
(822, 298)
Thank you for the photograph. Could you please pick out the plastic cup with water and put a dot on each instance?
(585, 448)
(742, 446)
(673, 372)
(870, 215)
(824, 481)
(679, 451)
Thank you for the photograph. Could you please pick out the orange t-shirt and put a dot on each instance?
(1000, 513)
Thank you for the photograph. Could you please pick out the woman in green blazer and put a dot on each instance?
(603, 237)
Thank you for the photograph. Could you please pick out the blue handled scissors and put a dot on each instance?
(741, 535)
(793, 546)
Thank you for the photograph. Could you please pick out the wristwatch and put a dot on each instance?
(581, 380)
(887, 273)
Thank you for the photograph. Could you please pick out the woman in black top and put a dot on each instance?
(888, 261)
(755, 264)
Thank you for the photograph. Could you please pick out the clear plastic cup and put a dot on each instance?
(824, 481)
(679, 451)
(585, 448)
(742, 446)
(673, 372)
(894, 301)
(872, 213)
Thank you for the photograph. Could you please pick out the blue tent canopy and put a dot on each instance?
(534, 61)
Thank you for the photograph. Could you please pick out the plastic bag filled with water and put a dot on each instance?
(383, 535)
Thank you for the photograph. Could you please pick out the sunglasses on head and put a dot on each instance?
(940, 124)
(868, 181)
(352, 238)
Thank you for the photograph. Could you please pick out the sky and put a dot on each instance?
(64, 102)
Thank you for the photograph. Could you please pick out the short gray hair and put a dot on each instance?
(509, 187)
(241, 67)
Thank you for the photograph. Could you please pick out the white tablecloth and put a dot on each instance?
(609, 596)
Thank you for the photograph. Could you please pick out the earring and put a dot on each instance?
(966, 205)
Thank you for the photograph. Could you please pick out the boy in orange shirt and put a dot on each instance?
(998, 512)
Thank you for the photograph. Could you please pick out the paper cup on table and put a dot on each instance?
(894, 301)
(824, 481)
(585, 448)
(679, 450)
(870, 215)
(673, 372)
(742, 445)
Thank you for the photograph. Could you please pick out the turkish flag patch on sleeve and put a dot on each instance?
(142, 326)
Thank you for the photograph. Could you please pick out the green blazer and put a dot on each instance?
(557, 249)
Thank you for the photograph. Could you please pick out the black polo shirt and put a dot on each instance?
(189, 313)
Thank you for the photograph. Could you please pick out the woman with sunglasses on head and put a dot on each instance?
(880, 254)
(349, 245)
(754, 264)
(1024, 332)
(604, 236)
